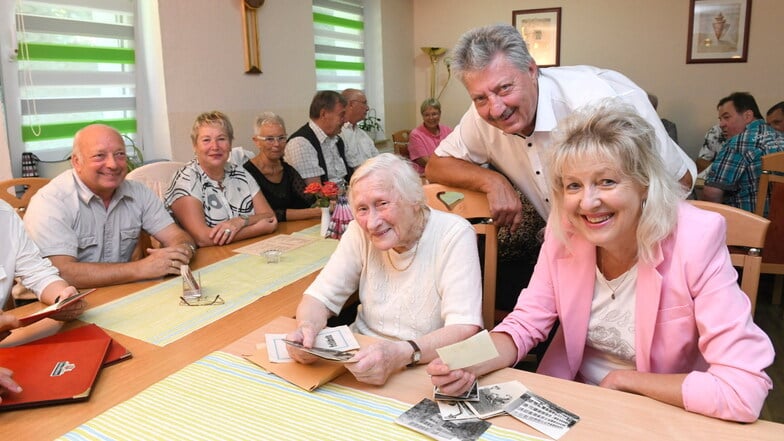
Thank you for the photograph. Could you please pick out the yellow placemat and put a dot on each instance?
(223, 396)
(156, 316)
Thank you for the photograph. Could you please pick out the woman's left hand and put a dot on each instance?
(71, 311)
(225, 232)
(374, 364)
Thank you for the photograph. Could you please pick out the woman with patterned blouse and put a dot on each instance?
(214, 200)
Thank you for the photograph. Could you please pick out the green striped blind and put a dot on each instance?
(76, 67)
(339, 44)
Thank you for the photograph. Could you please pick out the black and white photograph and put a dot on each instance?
(470, 395)
(495, 397)
(455, 410)
(425, 418)
(542, 414)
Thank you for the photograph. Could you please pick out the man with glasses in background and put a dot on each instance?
(359, 146)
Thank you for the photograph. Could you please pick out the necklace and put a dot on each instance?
(623, 279)
(607, 283)
(413, 257)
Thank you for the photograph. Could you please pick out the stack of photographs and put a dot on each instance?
(461, 417)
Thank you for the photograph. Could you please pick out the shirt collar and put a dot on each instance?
(545, 112)
(317, 130)
(85, 194)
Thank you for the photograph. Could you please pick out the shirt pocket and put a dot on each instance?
(675, 313)
(87, 245)
(128, 240)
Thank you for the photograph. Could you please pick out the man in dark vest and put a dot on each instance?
(315, 149)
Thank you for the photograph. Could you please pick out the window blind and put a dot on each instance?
(338, 28)
(76, 66)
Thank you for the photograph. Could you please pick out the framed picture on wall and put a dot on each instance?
(718, 31)
(541, 30)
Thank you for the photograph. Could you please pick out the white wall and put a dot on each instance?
(646, 40)
(204, 65)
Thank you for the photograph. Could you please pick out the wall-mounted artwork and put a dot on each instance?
(718, 31)
(541, 30)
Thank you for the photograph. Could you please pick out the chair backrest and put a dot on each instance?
(157, 176)
(17, 192)
(400, 142)
(745, 230)
(472, 205)
(771, 184)
(50, 169)
(771, 188)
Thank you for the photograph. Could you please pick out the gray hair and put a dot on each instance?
(614, 132)
(397, 173)
(267, 118)
(477, 48)
(428, 103)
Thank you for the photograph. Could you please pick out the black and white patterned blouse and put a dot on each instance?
(221, 201)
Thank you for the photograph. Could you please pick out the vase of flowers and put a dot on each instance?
(324, 194)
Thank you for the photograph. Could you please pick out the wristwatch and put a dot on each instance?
(246, 219)
(416, 355)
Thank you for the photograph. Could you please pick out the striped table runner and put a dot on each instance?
(156, 316)
(223, 396)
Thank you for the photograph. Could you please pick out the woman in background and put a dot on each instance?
(423, 140)
(214, 200)
(281, 184)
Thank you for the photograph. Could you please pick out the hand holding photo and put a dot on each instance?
(338, 339)
(325, 353)
(469, 352)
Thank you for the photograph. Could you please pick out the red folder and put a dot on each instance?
(116, 353)
(53, 373)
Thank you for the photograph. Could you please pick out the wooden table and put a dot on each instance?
(604, 414)
(150, 363)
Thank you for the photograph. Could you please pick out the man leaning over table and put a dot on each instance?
(515, 107)
(88, 219)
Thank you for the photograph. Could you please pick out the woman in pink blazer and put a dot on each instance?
(641, 282)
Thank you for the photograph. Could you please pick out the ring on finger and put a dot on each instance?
(227, 231)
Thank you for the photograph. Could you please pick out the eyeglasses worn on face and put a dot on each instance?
(270, 139)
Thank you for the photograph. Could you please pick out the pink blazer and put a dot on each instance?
(691, 316)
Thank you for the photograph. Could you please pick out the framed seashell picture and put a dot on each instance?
(718, 31)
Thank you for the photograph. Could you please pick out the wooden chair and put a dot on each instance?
(400, 142)
(745, 239)
(473, 206)
(771, 184)
(29, 186)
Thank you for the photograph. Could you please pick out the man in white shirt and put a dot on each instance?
(515, 107)
(359, 146)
